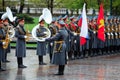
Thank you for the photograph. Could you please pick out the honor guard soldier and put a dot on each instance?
(107, 36)
(111, 35)
(20, 34)
(115, 34)
(2, 37)
(53, 28)
(118, 23)
(59, 56)
(75, 45)
(41, 46)
(69, 50)
(94, 36)
(119, 33)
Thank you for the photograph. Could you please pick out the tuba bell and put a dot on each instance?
(47, 17)
(11, 31)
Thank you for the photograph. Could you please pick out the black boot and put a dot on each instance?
(6, 58)
(20, 63)
(60, 70)
(50, 57)
(1, 69)
(41, 60)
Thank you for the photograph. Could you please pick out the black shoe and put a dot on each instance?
(41, 63)
(59, 74)
(1, 69)
(22, 66)
(7, 61)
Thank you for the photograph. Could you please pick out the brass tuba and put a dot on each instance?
(46, 15)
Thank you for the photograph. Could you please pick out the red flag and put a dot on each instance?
(80, 22)
(100, 23)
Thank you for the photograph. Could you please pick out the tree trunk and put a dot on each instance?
(52, 6)
(3, 4)
(21, 6)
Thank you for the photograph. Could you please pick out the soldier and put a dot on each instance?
(75, 45)
(111, 35)
(115, 34)
(53, 28)
(59, 57)
(6, 27)
(2, 37)
(94, 37)
(41, 46)
(69, 51)
(107, 36)
(20, 34)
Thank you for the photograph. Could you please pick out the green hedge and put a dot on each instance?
(28, 18)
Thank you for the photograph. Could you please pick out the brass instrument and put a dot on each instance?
(7, 40)
(53, 30)
(47, 17)
(28, 35)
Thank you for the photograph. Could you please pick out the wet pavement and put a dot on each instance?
(95, 68)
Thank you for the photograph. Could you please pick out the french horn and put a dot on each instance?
(47, 17)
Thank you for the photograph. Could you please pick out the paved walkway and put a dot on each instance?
(95, 68)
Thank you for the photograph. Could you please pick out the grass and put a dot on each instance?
(30, 26)
(27, 45)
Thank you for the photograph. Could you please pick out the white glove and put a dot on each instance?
(25, 36)
(51, 44)
(4, 43)
(45, 32)
(69, 40)
(75, 41)
(94, 32)
(75, 34)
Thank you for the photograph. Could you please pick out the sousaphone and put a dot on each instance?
(47, 17)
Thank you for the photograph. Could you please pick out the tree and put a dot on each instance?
(21, 6)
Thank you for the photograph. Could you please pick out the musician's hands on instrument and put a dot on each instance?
(25, 36)
(45, 32)
(3, 43)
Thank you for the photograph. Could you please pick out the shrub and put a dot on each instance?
(28, 18)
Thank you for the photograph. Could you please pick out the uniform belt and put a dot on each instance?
(59, 41)
(59, 48)
(78, 33)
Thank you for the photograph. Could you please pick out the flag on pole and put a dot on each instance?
(80, 21)
(100, 22)
(84, 27)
